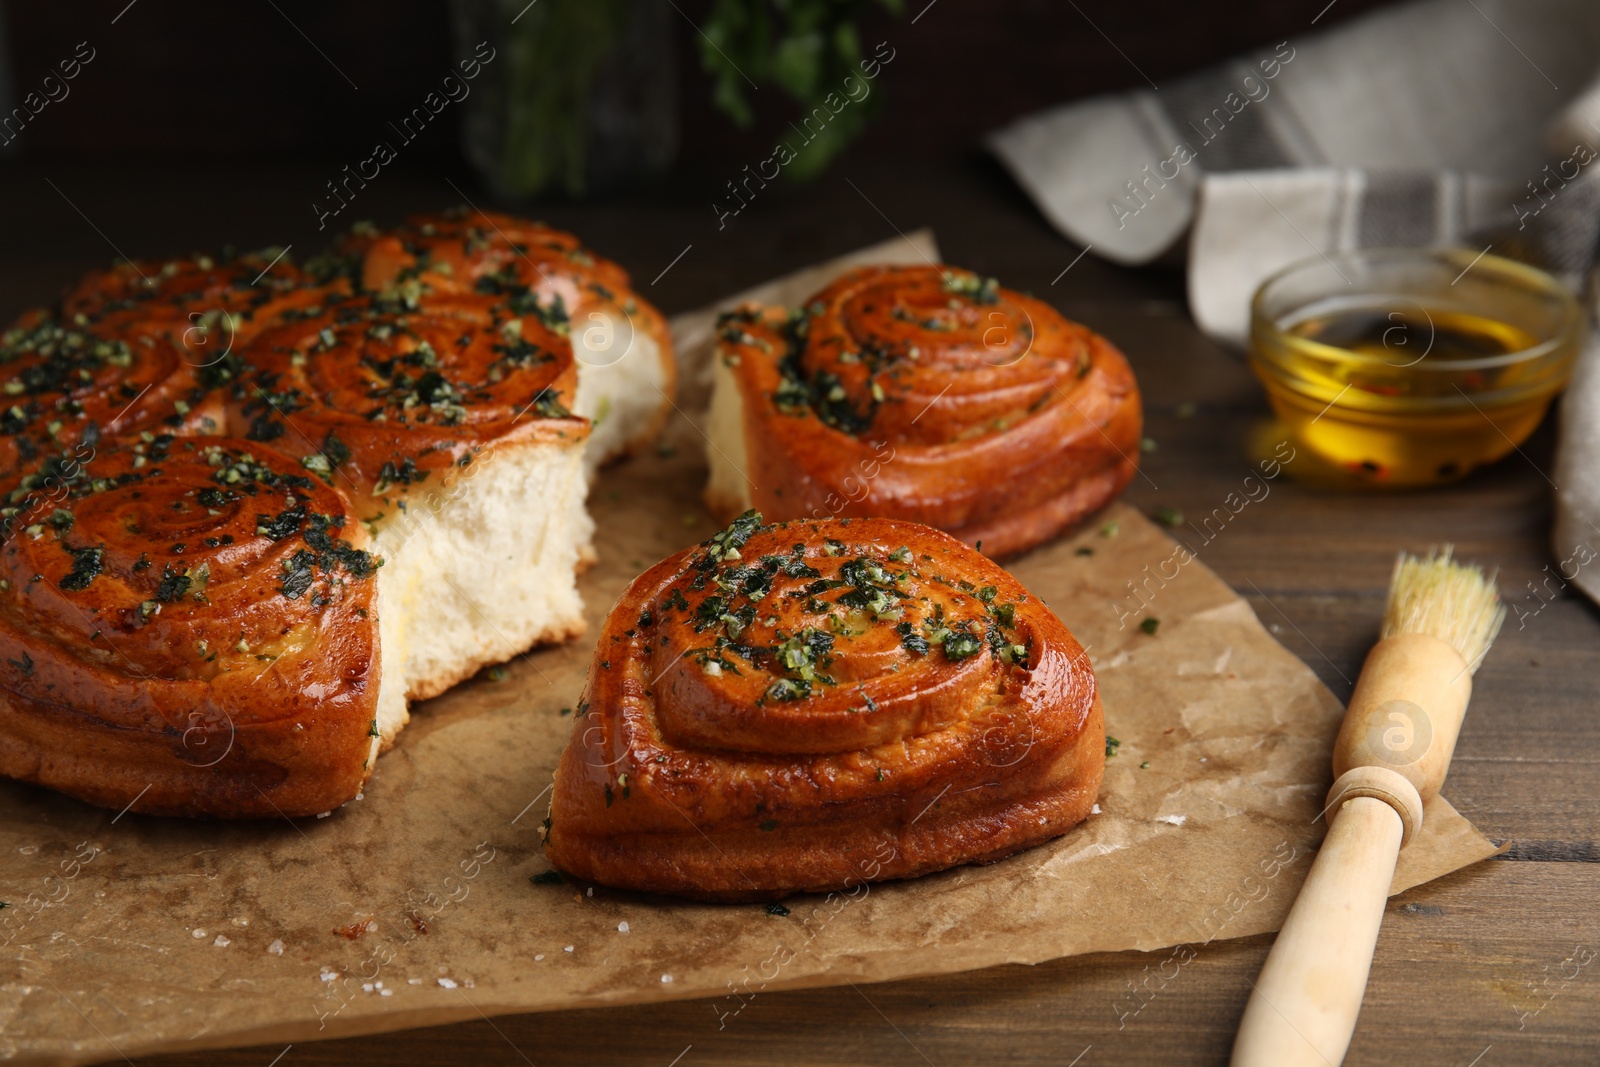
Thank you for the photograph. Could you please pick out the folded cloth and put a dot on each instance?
(1432, 123)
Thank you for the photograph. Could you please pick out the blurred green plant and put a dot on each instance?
(806, 47)
(556, 52)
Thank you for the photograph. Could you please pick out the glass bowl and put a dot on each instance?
(1407, 367)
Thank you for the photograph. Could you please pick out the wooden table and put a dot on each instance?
(1477, 968)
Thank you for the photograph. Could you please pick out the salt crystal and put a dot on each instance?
(366, 987)
(539, 957)
(360, 796)
(327, 975)
(1095, 810)
(221, 942)
(383, 992)
(622, 928)
(591, 891)
(276, 948)
(1175, 820)
(666, 979)
(198, 934)
(413, 981)
(448, 983)
(569, 948)
(323, 814)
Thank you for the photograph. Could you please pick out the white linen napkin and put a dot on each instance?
(1438, 122)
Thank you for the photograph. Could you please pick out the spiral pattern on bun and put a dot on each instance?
(626, 368)
(203, 462)
(206, 305)
(66, 382)
(378, 396)
(817, 704)
(927, 394)
(465, 251)
(205, 608)
(140, 346)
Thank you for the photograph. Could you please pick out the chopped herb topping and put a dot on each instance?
(725, 544)
(297, 574)
(172, 586)
(87, 563)
(403, 473)
(285, 524)
(914, 642)
(978, 290)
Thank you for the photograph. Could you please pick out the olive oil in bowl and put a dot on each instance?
(1389, 372)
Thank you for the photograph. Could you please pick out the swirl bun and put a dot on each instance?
(446, 420)
(812, 705)
(203, 463)
(388, 395)
(927, 394)
(207, 611)
(626, 370)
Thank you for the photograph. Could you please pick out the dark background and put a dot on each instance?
(211, 83)
(203, 125)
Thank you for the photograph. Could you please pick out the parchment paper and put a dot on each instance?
(421, 903)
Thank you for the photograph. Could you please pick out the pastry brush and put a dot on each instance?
(1391, 757)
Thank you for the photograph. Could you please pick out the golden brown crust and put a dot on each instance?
(927, 394)
(139, 347)
(384, 398)
(204, 305)
(816, 705)
(469, 251)
(70, 381)
(187, 627)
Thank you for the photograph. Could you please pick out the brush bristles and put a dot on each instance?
(1451, 601)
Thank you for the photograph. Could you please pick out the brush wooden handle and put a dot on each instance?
(1393, 751)
(1303, 1008)
(1406, 711)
